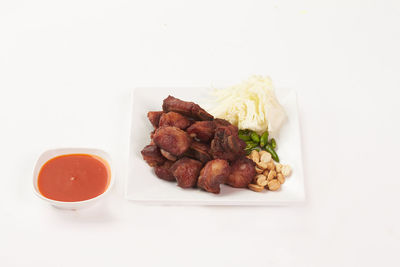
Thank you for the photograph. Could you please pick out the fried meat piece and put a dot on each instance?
(199, 151)
(168, 155)
(151, 154)
(151, 137)
(242, 173)
(174, 119)
(164, 171)
(172, 140)
(154, 117)
(221, 122)
(202, 130)
(186, 172)
(242, 145)
(226, 144)
(186, 108)
(214, 173)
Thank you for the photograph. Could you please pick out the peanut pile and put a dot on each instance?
(269, 175)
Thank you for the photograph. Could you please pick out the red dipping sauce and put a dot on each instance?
(74, 177)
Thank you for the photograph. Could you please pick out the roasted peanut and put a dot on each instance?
(271, 175)
(271, 165)
(261, 180)
(265, 157)
(278, 167)
(258, 170)
(262, 152)
(256, 188)
(286, 170)
(254, 156)
(262, 165)
(260, 175)
(274, 185)
(280, 178)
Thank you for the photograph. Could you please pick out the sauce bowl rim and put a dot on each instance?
(51, 153)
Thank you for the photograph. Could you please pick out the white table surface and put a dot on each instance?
(66, 72)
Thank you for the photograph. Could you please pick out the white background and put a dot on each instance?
(66, 72)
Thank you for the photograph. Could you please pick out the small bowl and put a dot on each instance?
(49, 154)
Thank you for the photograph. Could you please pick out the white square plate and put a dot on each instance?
(142, 185)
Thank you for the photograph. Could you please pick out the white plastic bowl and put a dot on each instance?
(49, 154)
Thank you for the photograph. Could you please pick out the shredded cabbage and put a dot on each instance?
(252, 104)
